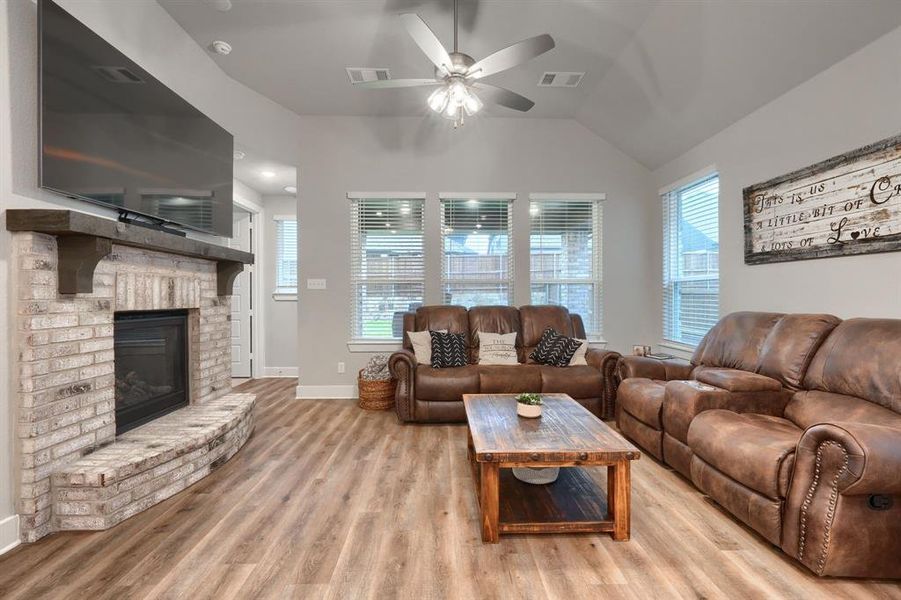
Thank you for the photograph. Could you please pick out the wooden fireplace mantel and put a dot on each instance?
(83, 240)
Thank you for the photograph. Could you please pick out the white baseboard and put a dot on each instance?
(9, 533)
(279, 372)
(316, 392)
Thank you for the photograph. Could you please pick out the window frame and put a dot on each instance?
(282, 293)
(594, 333)
(669, 251)
(359, 343)
(444, 280)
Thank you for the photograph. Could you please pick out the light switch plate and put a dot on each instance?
(315, 284)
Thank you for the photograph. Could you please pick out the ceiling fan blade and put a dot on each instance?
(384, 84)
(511, 56)
(503, 96)
(427, 41)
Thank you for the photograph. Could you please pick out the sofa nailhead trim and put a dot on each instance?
(830, 511)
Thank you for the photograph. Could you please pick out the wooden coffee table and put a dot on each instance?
(566, 435)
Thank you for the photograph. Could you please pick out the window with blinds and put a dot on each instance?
(565, 257)
(691, 261)
(285, 255)
(476, 251)
(387, 267)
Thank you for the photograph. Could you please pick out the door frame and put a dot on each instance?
(257, 268)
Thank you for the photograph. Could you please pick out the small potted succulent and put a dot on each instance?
(528, 405)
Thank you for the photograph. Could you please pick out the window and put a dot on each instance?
(691, 261)
(387, 269)
(286, 256)
(565, 256)
(476, 253)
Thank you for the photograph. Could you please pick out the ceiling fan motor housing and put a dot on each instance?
(460, 64)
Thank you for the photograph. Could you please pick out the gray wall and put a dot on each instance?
(280, 317)
(486, 155)
(852, 104)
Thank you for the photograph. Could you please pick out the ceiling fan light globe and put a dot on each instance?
(438, 99)
(472, 104)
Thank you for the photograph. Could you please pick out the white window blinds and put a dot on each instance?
(285, 255)
(691, 261)
(387, 268)
(565, 257)
(476, 252)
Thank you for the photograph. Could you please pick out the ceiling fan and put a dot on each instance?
(459, 76)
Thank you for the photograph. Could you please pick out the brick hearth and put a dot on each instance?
(65, 364)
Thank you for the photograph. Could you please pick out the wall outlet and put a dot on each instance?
(315, 284)
(342, 367)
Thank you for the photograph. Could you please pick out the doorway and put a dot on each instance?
(242, 302)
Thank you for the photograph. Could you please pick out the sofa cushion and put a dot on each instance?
(791, 345)
(860, 358)
(755, 450)
(449, 350)
(509, 379)
(446, 385)
(643, 399)
(493, 319)
(735, 380)
(453, 319)
(554, 349)
(577, 381)
(806, 409)
(736, 340)
(536, 318)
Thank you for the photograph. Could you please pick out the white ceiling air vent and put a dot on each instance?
(567, 79)
(117, 74)
(359, 74)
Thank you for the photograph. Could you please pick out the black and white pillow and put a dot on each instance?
(555, 349)
(448, 350)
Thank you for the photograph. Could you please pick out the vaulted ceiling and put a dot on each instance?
(660, 76)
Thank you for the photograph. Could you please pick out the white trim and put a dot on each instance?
(279, 371)
(374, 345)
(477, 195)
(283, 296)
(385, 195)
(597, 342)
(247, 205)
(9, 533)
(696, 176)
(326, 392)
(575, 197)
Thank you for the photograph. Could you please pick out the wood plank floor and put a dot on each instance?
(328, 501)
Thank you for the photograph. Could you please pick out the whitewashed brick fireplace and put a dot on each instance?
(74, 473)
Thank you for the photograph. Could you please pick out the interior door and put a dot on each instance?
(242, 299)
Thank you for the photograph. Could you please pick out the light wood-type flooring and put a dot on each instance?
(329, 501)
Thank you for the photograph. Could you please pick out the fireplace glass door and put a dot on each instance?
(151, 353)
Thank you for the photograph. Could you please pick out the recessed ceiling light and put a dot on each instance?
(290, 189)
(267, 174)
(220, 47)
(239, 155)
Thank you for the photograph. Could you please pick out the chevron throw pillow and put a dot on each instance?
(448, 350)
(555, 349)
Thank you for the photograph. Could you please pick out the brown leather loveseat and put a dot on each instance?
(790, 422)
(426, 394)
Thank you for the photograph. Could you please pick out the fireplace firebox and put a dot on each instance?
(151, 358)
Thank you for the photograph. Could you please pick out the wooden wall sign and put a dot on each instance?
(849, 204)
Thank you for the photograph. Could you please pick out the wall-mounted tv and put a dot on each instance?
(112, 134)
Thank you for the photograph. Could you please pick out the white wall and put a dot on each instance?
(851, 104)
(486, 155)
(280, 335)
(146, 32)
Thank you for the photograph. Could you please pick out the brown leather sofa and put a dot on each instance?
(790, 422)
(430, 395)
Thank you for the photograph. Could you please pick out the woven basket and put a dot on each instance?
(376, 395)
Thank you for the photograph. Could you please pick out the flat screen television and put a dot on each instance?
(112, 134)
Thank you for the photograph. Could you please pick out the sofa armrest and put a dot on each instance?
(839, 519)
(402, 365)
(736, 380)
(605, 361)
(684, 400)
(651, 368)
